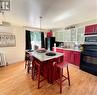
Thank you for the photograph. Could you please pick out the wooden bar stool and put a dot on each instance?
(28, 62)
(29, 65)
(26, 59)
(61, 66)
(37, 72)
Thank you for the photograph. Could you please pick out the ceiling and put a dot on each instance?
(55, 13)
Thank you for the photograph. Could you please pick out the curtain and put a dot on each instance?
(42, 40)
(28, 40)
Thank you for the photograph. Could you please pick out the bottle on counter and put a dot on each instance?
(55, 47)
(76, 46)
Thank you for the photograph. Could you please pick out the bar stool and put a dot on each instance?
(28, 62)
(36, 72)
(61, 66)
(26, 59)
(29, 65)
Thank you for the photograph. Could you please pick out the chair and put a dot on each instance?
(61, 65)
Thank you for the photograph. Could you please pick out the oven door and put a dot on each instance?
(88, 63)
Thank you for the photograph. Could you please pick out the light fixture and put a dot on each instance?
(40, 21)
(4, 5)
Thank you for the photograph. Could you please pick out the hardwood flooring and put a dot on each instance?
(15, 81)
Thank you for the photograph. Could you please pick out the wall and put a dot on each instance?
(14, 54)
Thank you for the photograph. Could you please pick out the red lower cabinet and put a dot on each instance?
(72, 57)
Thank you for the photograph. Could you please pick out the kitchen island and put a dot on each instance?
(47, 64)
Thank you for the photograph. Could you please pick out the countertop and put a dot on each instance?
(71, 49)
(44, 57)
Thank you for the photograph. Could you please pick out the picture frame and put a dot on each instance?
(7, 40)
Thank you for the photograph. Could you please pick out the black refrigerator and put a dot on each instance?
(49, 42)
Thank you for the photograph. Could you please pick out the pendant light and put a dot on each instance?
(40, 22)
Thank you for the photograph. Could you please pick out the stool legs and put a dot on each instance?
(61, 74)
(68, 75)
(33, 71)
(36, 72)
(38, 77)
(28, 67)
(25, 64)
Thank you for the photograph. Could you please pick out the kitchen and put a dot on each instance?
(70, 32)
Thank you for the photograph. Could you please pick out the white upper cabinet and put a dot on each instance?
(62, 35)
(73, 35)
(80, 34)
(58, 33)
(67, 35)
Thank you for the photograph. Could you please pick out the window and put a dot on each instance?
(35, 39)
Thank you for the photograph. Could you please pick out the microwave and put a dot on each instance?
(91, 39)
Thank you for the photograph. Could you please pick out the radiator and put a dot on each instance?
(2, 59)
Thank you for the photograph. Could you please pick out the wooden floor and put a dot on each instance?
(15, 81)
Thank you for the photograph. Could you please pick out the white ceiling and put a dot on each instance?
(56, 13)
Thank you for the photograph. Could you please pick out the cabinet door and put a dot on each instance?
(58, 33)
(72, 57)
(89, 29)
(77, 58)
(73, 34)
(67, 35)
(80, 34)
(92, 29)
(55, 33)
(67, 55)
